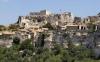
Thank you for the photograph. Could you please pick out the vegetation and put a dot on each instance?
(14, 27)
(26, 52)
(16, 40)
(40, 42)
(2, 28)
(91, 27)
(48, 25)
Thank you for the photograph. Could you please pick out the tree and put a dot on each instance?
(54, 59)
(57, 49)
(40, 42)
(14, 27)
(27, 44)
(91, 27)
(2, 28)
(16, 40)
(48, 25)
(66, 57)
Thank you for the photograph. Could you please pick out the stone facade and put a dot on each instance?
(43, 17)
(67, 28)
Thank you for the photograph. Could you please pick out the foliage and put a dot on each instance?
(25, 52)
(16, 40)
(13, 27)
(49, 26)
(2, 28)
(40, 42)
(91, 27)
(27, 44)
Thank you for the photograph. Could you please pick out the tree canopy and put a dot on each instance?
(25, 52)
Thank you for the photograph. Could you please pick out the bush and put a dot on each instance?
(27, 44)
(48, 25)
(16, 41)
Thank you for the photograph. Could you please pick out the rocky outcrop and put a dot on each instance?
(80, 31)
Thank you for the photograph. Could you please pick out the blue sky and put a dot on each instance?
(11, 9)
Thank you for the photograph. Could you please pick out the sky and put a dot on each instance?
(11, 9)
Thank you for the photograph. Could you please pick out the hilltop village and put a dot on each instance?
(49, 28)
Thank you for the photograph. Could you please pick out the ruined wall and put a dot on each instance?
(45, 17)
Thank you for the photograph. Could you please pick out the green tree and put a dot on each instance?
(40, 42)
(48, 25)
(14, 27)
(2, 28)
(16, 40)
(27, 44)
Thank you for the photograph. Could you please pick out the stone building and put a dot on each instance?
(78, 29)
(43, 17)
